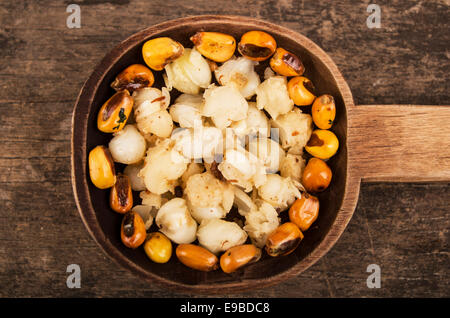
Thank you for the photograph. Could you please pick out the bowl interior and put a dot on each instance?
(267, 268)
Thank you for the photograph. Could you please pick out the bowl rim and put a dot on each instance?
(78, 158)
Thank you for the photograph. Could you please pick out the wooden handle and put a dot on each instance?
(400, 143)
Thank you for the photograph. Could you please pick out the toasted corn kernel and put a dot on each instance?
(322, 144)
(215, 46)
(239, 256)
(134, 77)
(301, 91)
(132, 231)
(101, 167)
(284, 240)
(121, 195)
(286, 63)
(316, 176)
(304, 211)
(323, 111)
(159, 52)
(197, 257)
(114, 114)
(257, 45)
(158, 247)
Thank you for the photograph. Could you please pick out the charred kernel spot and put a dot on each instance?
(330, 122)
(128, 224)
(288, 246)
(294, 62)
(112, 105)
(309, 86)
(229, 253)
(253, 50)
(178, 192)
(295, 133)
(216, 172)
(109, 158)
(158, 99)
(321, 188)
(315, 141)
(122, 116)
(122, 188)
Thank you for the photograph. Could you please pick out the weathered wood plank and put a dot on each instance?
(43, 64)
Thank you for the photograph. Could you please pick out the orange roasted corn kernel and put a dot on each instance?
(304, 211)
(197, 257)
(114, 114)
(134, 77)
(121, 195)
(218, 47)
(239, 256)
(286, 63)
(132, 231)
(322, 144)
(101, 167)
(316, 176)
(159, 52)
(323, 111)
(301, 91)
(283, 240)
(257, 45)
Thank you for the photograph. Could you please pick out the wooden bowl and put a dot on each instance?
(373, 143)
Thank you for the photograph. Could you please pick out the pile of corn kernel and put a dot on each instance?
(236, 142)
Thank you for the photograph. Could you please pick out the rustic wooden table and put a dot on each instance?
(404, 228)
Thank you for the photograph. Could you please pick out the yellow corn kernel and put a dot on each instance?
(101, 168)
(159, 52)
(322, 144)
(286, 63)
(323, 111)
(121, 195)
(257, 45)
(301, 91)
(215, 46)
(239, 256)
(134, 77)
(115, 112)
(158, 247)
(283, 240)
(197, 257)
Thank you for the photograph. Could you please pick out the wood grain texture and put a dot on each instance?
(401, 227)
(400, 143)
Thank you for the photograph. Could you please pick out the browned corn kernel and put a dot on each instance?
(257, 45)
(284, 240)
(316, 176)
(114, 114)
(304, 211)
(323, 111)
(101, 168)
(286, 63)
(132, 231)
(134, 77)
(301, 91)
(197, 257)
(239, 256)
(121, 195)
(215, 46)
(159, 52)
